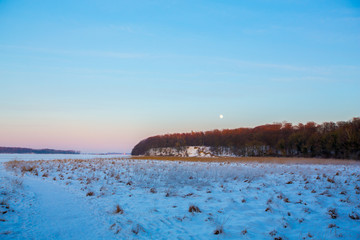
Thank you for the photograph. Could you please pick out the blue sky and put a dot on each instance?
(102, 75)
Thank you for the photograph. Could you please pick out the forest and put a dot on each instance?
(38, 151)
(326, 140)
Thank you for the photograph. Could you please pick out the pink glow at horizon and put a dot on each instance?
(99, 76)
(82, 139)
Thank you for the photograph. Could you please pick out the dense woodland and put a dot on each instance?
(326, 140)
(38, 151)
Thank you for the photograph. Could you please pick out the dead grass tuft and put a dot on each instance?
(333, 213)
(137, 229)
(273, 233)
(332, 225)
(330, 180)
(118, 210)
(89, 194)
(27, 169)
(219, 230)
(353, 215)
(194, 208)
(3, 202)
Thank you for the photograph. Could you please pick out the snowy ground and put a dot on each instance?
(146, 199)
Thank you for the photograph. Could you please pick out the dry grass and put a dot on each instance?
(167, 179)
(219, 230)
(194, 208)
(273, 233)
(280, 160)
(333, 213)
(4, 203)
(353, 215)
(90, 194)
(137, 229)
(118, 210)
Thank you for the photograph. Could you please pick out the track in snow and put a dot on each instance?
(57, 214)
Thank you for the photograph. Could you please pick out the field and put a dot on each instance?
(280, 160)
(144, 198)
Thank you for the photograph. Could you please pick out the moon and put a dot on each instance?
(221, 116)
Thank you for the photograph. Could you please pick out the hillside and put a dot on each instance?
(326, 140)
(39, 151)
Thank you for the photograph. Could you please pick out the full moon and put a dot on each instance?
(221, 116)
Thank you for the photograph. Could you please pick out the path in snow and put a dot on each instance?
(58, 214)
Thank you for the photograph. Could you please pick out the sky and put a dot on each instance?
(100, 75)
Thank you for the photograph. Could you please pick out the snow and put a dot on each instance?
(198, 151)
(188, 151)
(237, 200)
(56, 214)
(204, 151)
(32, 157)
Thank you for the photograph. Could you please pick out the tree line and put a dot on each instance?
(35, 151)
(326, 140)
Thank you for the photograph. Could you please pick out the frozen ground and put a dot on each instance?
(143, 199)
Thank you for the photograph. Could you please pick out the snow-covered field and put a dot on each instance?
(121, 198)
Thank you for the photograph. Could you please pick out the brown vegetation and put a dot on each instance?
(326, 140)
(219, 230)
(194, 208)
(118, 210)
(333, 213)
(90, 194)
(280, 160)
